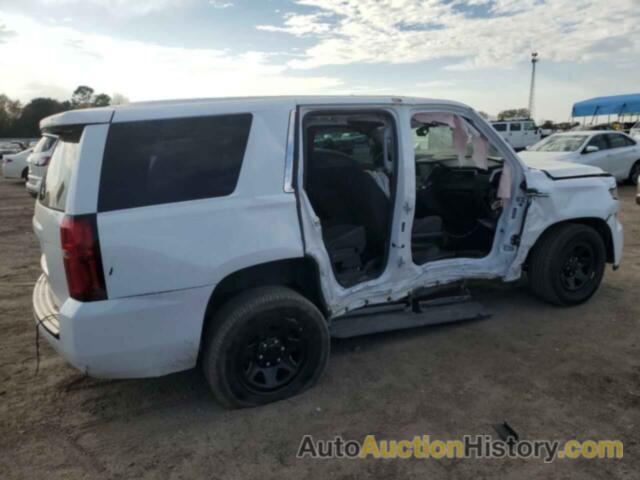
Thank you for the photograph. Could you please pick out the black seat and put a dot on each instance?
(344, 195)
(345, 245)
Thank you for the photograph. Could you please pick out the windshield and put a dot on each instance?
(559, 143)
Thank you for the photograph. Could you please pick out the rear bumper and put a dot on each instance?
(33, 184)
(143, 336)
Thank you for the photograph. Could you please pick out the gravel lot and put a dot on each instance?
(551, 373)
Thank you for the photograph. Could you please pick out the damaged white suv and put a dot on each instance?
(242, 234)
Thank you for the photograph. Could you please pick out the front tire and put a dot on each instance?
(567, 264)
(264, 345)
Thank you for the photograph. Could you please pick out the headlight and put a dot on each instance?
(613, 191)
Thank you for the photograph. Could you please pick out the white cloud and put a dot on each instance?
(60, 58)
(220, 4)
(123, 7)
(352, 31)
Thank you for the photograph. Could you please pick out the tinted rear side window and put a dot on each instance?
(55, 184)
(617, 141)
(500, 127)
(165, 161)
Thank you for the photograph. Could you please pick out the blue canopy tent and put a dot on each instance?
(617, 105)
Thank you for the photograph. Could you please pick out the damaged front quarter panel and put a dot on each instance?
(553, 200)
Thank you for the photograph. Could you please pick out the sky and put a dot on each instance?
(473, 51)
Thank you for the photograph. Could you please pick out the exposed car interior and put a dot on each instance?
(350, 165)
(458, 182)
(350, 181)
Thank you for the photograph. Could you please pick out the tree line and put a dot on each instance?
(17, 120)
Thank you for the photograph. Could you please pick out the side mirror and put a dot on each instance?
(591, 149)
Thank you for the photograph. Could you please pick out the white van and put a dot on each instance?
(241, 234)
(519, 133)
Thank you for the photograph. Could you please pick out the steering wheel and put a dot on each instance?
(425, 180)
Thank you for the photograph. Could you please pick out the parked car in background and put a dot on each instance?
(614, 152)
(227, 233)
(15, 165)
(519, 133)
(10, 148)
(39, 161)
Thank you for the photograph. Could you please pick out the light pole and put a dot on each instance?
(534, 60)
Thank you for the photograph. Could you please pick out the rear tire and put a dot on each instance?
(567, 264)
(634, 173)
(264, 345)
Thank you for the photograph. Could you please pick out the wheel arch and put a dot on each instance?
(598, 224)
(301, 274)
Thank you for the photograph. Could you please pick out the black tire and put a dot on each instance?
(567, 264)
(25, 174)
(242, 360)
(634, 173)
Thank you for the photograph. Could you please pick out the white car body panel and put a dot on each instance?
(163, 262)
(13, 165)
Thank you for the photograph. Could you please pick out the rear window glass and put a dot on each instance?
(55, 184)
(175, 160)
(45, 144)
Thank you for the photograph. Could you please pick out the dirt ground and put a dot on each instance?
(552, 373)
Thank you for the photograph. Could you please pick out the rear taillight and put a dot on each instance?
(43, 161)
(82, 259)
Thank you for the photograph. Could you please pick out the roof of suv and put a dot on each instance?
(104, 114)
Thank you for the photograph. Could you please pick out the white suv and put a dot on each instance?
(243, 233)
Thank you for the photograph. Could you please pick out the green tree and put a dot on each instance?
(101, 100)
(514, 113)
(28, 125)
(82, 97)
(9, 112)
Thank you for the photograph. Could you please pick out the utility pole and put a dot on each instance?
(534, 60)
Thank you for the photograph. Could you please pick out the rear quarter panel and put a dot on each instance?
(195, 243)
